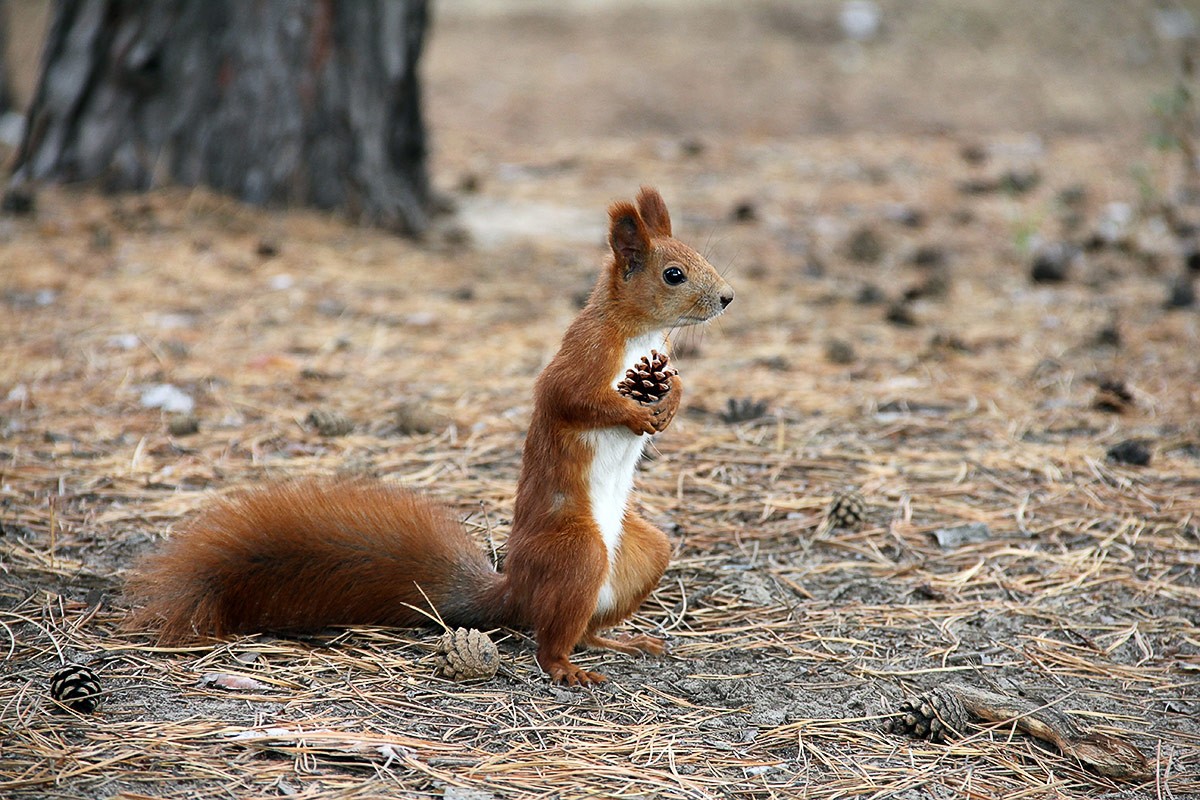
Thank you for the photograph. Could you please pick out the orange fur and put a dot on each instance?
(308, 554)
(653, 211)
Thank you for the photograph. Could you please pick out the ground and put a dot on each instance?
(879, 209)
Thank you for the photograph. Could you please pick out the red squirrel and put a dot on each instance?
(307, 554)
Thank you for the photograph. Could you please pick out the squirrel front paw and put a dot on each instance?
(642, 421)
(663, 412)
(652, 418)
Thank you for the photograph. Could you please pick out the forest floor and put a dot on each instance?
(887, 337)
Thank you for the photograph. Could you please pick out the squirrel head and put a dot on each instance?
(658, 281)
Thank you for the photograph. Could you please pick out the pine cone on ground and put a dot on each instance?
(937, 715)
(648, 380)
(329, 423)
(76, 687)
(847, 510)
(467, 655)
(745, 409)
(1113, 396)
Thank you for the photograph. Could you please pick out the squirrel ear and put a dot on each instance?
(628, 237)
(653, 209)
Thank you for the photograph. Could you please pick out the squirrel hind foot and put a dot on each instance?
(563, 671)
(630, 645)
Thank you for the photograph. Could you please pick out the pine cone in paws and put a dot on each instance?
(847, 510)
(649, 379)
(937, 715)
(467, 655)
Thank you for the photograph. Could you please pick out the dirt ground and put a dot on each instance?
(879, 207)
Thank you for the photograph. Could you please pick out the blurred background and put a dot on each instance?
(768, 68)
(502, 77)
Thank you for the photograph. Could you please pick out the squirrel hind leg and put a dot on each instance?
(629, 645)
(553, 656)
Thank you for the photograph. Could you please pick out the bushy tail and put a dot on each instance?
(307, 554)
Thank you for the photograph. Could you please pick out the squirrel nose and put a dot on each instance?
(726, 299)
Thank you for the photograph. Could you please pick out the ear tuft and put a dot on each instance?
(653, 209)
(628, 237)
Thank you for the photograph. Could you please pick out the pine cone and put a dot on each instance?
(937, 715)
(1113, 396)
(743, 410)
(847, 510)
(329, 423)
(76, 687)
(467, 655)
(649, 379)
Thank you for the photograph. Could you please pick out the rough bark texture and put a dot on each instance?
(6, 94)
(309, 102)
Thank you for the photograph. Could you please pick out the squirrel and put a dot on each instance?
(310, 553)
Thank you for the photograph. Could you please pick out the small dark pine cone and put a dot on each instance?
(649, 379)
(76, 687)
(329, 423)
(1113, 396)
(1130, 451)
(467, 655)
(183, 425)
(744, 409)
(937, 715)
(847, 510)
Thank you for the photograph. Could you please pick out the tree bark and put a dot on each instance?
(304, 102)
(6, 93)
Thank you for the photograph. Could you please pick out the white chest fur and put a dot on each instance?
(614, 456)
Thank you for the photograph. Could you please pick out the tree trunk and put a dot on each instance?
(308, 102)
(6, 93)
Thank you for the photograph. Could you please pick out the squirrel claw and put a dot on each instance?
(567, 673)
(661, 416)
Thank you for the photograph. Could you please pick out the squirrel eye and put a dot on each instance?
(674, 276)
